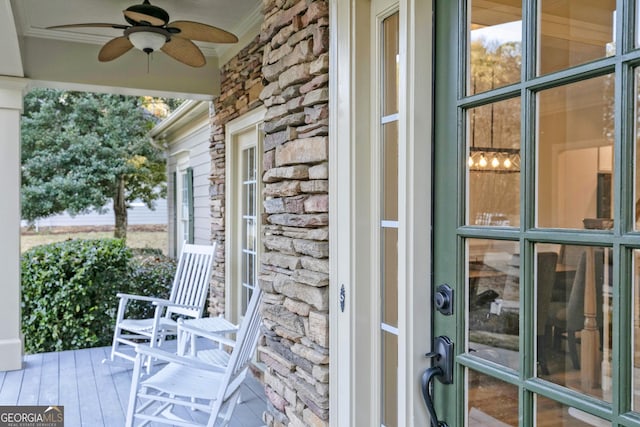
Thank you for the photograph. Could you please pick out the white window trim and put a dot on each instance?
(182, 164)
(351, 344)
(236, 127)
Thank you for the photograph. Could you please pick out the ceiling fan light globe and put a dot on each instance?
(147, 41)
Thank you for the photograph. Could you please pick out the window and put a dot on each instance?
(249, 224)
(243, 210)
(183, 211)
(388, 214)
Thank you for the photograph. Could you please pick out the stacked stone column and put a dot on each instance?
(295, 264)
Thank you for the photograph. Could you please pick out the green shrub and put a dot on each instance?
(69, 291)
(150, 276)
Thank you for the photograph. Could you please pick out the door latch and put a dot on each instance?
(443, 299)
(442, 369)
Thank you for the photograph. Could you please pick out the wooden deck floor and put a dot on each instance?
(95, 394)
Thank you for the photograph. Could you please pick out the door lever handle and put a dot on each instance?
(428, 375)
(442, 369)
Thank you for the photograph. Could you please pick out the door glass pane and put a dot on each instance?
(493, 164)
(390, 277)
(573, 32)
(391, 71)
(575, 137)
(493, 289)
(635, 357)
(389, 379)
(483, 394)
(550, 413)
(636, 170)
(576, 340)
(495, 48)
(390, 171)
(637, 26)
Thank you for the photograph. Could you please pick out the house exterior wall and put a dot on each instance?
(191, 141)
(241, 84)
(286, 68)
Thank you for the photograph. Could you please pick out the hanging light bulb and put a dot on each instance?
(507, 163)
(470, 161)
(495, 162)
(483, 161)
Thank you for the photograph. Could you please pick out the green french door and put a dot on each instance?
(536, 220)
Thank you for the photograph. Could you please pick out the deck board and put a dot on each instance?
(49, 382)
(68, 386)
(11, 386)
(113, 413)
(31, 381)
(96, 394)
(90, 411)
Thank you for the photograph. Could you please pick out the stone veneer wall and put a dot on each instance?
(240, 88)
(295, 264)
(286, 67)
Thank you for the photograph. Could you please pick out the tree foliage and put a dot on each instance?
(81, 150)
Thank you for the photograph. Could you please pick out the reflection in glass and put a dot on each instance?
(575, 138)
(493, 164)
(577, 334)
(572, 33)
(637, 148)
(550, 413)
(495, 49)
(484, 392)
(545, 277)
(635, 357)
(493, 289)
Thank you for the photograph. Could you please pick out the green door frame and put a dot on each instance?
(448, 212)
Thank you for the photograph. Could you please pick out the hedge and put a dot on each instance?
(69, 291)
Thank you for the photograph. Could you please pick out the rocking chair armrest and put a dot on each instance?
(166, 303)
(153, 300)
(212, 336)
(169, 357)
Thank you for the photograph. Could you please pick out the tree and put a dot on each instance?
(80, 150)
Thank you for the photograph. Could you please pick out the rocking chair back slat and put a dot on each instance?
(194, 268)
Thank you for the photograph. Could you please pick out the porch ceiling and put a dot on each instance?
(68, 58)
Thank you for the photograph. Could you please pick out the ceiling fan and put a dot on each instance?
(150, 30)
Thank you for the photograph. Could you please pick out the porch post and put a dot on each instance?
(11, 91)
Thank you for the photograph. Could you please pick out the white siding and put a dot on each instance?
(139, 214)
(186, 135)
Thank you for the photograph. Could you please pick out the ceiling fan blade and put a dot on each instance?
(185, 51)
(202, 32)
(97, 24)
(139, 17)
(114, 48)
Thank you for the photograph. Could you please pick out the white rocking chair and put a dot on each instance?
(190, 383)
(187, 300)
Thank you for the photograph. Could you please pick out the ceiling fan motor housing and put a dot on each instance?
(146, 38)
(143, 12)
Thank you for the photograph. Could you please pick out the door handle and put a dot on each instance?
(442, 369)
